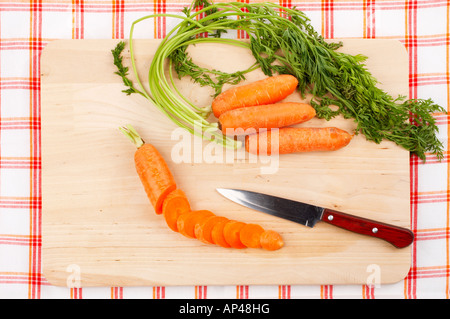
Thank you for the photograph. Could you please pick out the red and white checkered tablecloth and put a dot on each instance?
(26, 26)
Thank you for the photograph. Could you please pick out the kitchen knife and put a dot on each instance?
(309, 215)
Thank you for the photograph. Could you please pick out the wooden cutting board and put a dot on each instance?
(98, 228)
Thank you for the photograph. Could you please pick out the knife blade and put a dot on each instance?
(309, 215)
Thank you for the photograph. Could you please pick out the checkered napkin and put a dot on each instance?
(27, 26)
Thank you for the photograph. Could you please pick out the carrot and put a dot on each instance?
(217, 234)
(186, 222)
(182, 220)
(231, 233)
(152, 170)
(203, 229)
(290, 140)
(266, 91)
(250, 235)
(175, 204)
(238, 121)
(271, 240)
(161, 189)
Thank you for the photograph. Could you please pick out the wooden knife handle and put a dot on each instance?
(397, 236)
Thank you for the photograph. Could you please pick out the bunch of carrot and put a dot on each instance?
(170, 201)
(254, 109)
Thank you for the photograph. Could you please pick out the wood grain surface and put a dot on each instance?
(98, 228)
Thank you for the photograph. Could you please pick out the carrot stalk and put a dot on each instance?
(290, 140)
(266, 91)
(231, 233)
(152, 170)
(250, 235)
(186, 222)
(271, 240)
(175, 204)
(242, 120)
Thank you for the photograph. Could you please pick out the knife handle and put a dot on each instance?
(397, 236)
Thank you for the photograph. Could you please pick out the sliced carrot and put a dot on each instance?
(203, 229)
(291, 140)
(271, 240)
(217, 234)
(161, 189)
(266, 91)
(186, 222)
(175, 204)
(200, 220)
(154, 174)
(231, 233)
(152, 170)
(182, 221)
(252, 119)
(250, 235)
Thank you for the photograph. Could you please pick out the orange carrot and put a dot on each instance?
(203, 229)
(152, 170)
(266, 91)
(186, 222)
(231, 233)
(290, 140)
(217, 235)
(182, 220)
(271, 240)
(161, 189)
(250, 235)
(242, 120)
(175, 204)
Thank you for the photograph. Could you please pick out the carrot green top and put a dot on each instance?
(133, 135)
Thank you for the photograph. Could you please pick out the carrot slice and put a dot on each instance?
(249, 120)
(186, 222)
(271, 240)
(267, 91)
(203, 229)
(217, 234)
(250, 235)
(297, 139)
(231, 233)
(175, 204)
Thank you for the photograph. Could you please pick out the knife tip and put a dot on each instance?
(225, 191)
(221, 190)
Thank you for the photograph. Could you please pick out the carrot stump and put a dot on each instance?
(152, 170)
